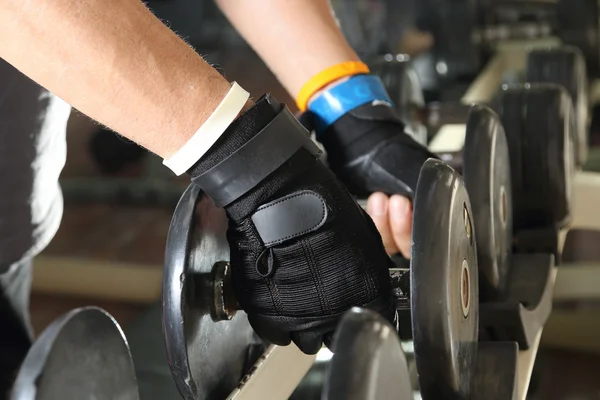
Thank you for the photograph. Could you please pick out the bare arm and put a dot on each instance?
(116, 62)
(296, 38)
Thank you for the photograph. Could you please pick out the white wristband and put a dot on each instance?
(210, 131)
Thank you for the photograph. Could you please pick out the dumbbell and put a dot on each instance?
(565, 66)
(538, 119)
(82, 354)
(443, 276)
(210, 344)
(517, 170)
(516, 264)
(517, 165)
(509, 305)
(487, 175)
(437, 295)
(515, 289)
(486, 171)
(366, 346)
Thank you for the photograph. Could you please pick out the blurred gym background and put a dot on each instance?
(119, 199)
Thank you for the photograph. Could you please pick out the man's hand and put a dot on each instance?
(393, 218)
(302, 252)
(371, 153)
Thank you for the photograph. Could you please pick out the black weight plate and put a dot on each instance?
(565, 66)
(207, 358)
(444, 284)
(368, 362)
(402, 84)
(457, 53)
(578, 25)
(486, 173)
(81, 355)
(538, 119)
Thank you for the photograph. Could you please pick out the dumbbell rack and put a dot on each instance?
(510, 57)
(586, 195)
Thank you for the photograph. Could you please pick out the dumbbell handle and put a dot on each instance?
(224, 305)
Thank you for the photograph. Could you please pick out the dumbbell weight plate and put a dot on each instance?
(444, 284)
(578, 26)
(403, 86)
(368, 362)
(538, 119)
(207, 358)
(565, 66)
(486, 173)
(457, 53)
(81, 355)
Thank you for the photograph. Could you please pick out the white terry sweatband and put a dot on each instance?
(210, 131)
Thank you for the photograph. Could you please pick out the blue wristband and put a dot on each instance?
(333, 103)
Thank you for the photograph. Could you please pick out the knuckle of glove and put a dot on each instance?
(395, 165)
(391, 167)
(371, 152)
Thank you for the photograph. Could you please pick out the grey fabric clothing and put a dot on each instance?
(33, 150)
(15, 332)
(33, 126)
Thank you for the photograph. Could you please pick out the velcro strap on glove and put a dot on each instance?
(254, 161)
(289, 217)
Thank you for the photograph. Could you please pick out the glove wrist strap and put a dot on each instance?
(256, 159)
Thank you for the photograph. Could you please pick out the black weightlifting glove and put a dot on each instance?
(369, 151)
(302, 251)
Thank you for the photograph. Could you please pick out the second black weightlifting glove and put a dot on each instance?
(302, 251)
(366, 143)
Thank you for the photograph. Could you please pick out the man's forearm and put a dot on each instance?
(296, 38)
(116, 62)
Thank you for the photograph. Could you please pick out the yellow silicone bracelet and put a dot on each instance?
(327, 76)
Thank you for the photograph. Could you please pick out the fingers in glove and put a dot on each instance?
(266, 332)
(309, 342)
(328, 341)
(400, 212)
(377, 208)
